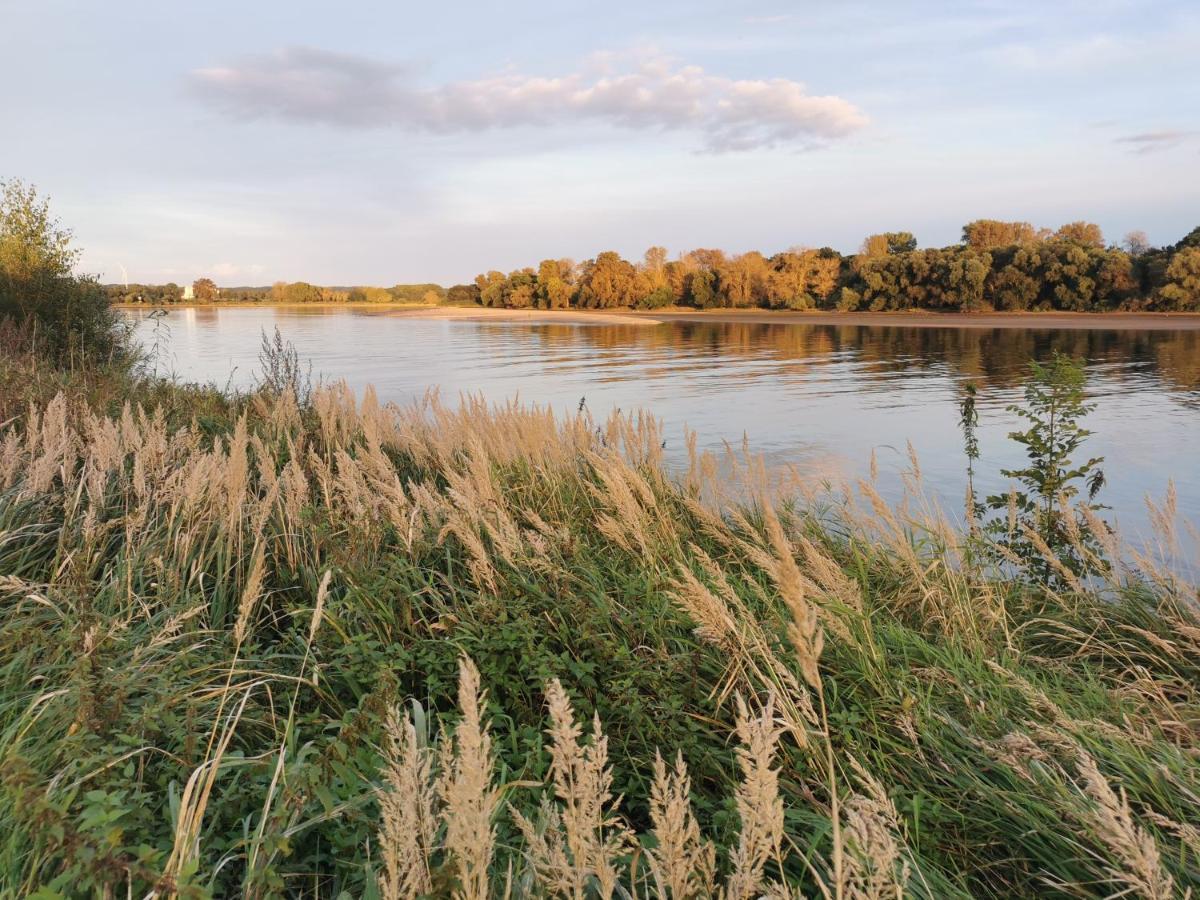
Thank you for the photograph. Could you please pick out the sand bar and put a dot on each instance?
(906, 319)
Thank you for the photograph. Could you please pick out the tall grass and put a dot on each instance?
(255, 646)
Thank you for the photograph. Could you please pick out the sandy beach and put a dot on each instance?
(905, 319)
(603, 317)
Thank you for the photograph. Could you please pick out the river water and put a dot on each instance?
(819, 397)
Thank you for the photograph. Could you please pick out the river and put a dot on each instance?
(820, 397)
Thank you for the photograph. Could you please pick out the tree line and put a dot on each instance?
(997, 265)
(205, 290)
(1009, 266)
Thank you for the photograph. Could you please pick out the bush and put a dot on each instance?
(68, 316)
(848, 300)
(656, 299)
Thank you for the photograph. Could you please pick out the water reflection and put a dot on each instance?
(818, 396)
(996, 356)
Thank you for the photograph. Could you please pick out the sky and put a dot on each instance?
(387, 142)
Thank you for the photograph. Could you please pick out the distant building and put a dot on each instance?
(188, 293)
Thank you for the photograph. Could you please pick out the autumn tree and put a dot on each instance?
(1085, 234)
(491, 288)
(554, 288)
(295, 292)
(608, 281)
(874, 246)
(371, 294)
(889, 242)
(676, 274)
(706, 258)
(824, 270)
(204, 290)
(654, 265)
(742, 280)
(787, 282)
(986, 234)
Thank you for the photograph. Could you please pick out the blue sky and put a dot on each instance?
(385, 142)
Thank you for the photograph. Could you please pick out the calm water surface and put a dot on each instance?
(817, 396)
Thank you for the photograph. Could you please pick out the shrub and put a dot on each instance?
(68, 316)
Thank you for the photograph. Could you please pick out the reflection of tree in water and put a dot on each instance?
(996, 357)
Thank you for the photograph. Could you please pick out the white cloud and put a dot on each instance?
(309, 85)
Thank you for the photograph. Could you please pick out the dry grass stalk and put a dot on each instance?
(408, 824)
(1051, 558)
(251, 593)
(632, 520)
(1112, 822)
(683, 863)
(465, 787)
(759, 806)
(193, 803)
(583, 836)
(804, 630)
(723, 619)
(875, 867)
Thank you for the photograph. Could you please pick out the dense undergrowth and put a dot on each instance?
(232, 629)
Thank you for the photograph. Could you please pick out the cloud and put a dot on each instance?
(1153, 141)
(308, 85)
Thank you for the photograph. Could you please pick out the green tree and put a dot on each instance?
(415, 293)
(1015, 284)
(463, 295)
(659, 297)
(70, 316)
(1191, 239)
(1182, 288)
(701, 289)
(1040, 511)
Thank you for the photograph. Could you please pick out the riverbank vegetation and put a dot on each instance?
(205, 290)
(1003, 266)
(235, 627)
(293, 642)
(998, 266)
(64, 316)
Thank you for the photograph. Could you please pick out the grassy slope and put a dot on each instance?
(161, 551)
